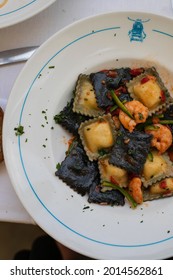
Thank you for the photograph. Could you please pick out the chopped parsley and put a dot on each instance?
(86, 207)
(150, 156)
(141, 117)
(19, 130)
(58, 166)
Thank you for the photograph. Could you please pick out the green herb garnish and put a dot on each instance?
(160, 116)
(58, 166)
(141, 117)
(150, 156)
(166, 121)
(71, 146)
(152, 127)
(149, 125)
(123, 191)
(102, 152)
(58, 118)
(113, 108)
(120, 104)
(19, 130)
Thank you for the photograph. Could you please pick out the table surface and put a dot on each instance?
(35, 31)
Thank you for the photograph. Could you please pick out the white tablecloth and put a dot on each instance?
(35, 31)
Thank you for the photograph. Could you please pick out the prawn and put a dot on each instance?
(135, 188)
(162, 137)
(137, 110)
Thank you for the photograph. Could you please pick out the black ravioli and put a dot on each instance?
(77, 171)
(70, 120)
(130, 150)
(125, 97)
(103, 83)
(113, 197)
(168, 115)
(101, 89)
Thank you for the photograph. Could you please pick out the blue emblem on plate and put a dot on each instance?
(137, 32)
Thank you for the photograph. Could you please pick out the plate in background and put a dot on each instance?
(42, 89)
(12, 12)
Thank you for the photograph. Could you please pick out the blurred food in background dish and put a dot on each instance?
(1, 120)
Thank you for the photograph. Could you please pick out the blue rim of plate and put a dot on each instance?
(16, 10)
(20, 149)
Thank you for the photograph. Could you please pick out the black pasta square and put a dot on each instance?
(107, 80)
(130, 150)
(113, 197)
(70, 120)
(77, 170)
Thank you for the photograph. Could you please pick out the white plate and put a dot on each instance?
(15, 11)
(40, 92)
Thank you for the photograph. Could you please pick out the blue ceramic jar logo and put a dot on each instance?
(137, 32)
